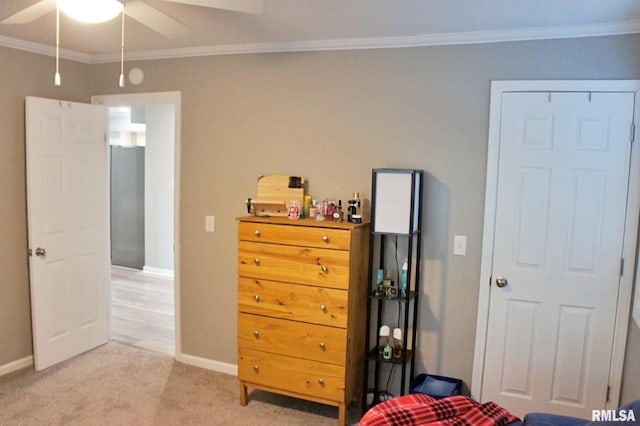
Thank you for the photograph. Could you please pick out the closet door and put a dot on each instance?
(559, 233)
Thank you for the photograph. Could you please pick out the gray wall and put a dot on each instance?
(332, 117)
(23, 74)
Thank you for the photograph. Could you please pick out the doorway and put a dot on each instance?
(144, 139)
(551, 146)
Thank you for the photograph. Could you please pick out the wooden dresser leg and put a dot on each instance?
(342, 414)
(243, 394)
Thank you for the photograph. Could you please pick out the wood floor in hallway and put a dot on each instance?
(142, 310)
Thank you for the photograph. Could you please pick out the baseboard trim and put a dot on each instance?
(208, 364)
(16, 365)
(158, 271)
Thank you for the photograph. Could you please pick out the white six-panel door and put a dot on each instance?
(559, 228)
(67, 191)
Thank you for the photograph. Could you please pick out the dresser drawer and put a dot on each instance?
(322, 267)
(295, 235)
(292, 374)
(318, 305)
(292, 338)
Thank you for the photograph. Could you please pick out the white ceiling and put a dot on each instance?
(288, 25)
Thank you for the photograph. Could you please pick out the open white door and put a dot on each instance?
(67, 197)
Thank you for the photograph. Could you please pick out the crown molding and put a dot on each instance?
(470, 37)
(422, 40)
(43, 49)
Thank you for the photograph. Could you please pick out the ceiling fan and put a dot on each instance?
(144, 13)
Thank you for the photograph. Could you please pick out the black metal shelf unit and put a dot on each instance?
(396, 213)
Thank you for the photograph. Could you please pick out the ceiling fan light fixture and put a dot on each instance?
(91, 12)
(121, 80)
(57, 81)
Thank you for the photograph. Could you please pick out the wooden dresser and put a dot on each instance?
(302, 299)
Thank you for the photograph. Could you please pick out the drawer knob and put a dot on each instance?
(325, 269)
(256, 368)
(323, 308)
(321, 382)
(256, 261)
(257, 297)
(256, 334)
(325, 238)
(257, 233)
(323, 346)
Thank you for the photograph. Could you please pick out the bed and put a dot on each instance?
(420, 410)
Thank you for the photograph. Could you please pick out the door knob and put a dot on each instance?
(40, 252)
(501, 282)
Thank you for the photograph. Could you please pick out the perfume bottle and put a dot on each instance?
(331, 209)
(312, 209)
(338, 214)
(324, 209)
(320, 212)
(351, 210)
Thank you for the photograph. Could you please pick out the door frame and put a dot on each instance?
(623, 309)
(162, 98)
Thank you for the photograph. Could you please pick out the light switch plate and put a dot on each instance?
(209, 223)
(459, 245)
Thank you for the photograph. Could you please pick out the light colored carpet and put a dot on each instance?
(121, 385)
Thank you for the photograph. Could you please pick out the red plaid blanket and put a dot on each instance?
(419, 409)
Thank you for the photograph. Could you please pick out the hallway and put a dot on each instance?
(142, 310)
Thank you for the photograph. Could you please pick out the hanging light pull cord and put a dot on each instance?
(121, 81)
(56, 80)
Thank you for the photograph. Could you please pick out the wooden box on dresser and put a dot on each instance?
(302, 299)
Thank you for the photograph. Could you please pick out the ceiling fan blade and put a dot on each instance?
(155, 20)
(31, 13)
(247, 6)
